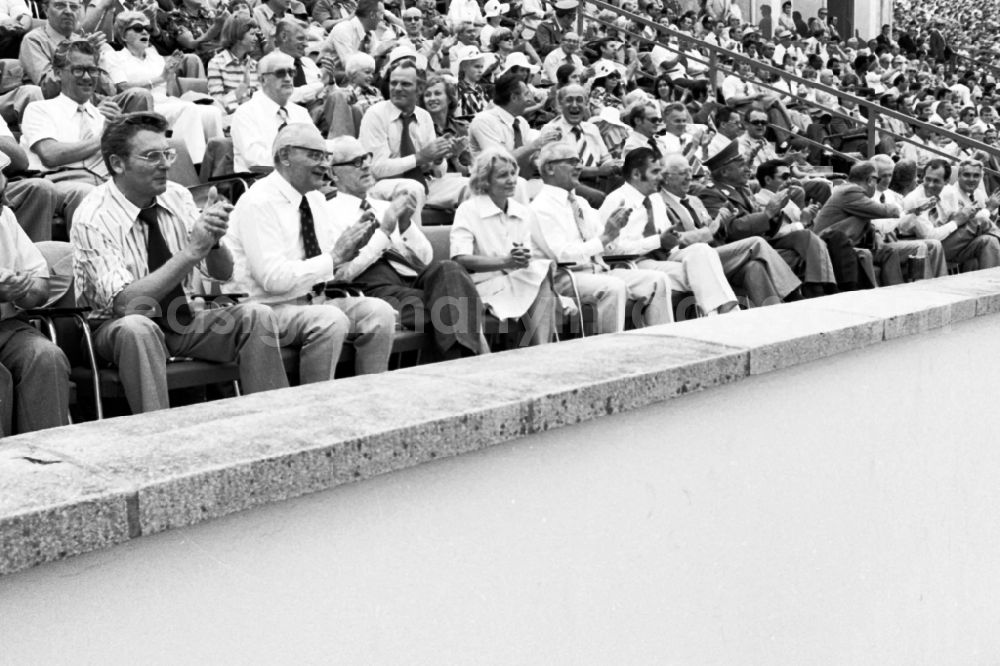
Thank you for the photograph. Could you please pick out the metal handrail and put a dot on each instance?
(874, 110)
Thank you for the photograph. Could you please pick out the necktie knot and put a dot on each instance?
(283, 117)
(577, 132)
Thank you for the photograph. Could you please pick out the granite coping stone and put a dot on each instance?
(69, 490)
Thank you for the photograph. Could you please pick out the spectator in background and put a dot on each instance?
(232, 72)
(257, 121)
(138, 65)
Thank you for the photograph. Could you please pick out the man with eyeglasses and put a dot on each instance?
(42, 49)
(287, 245)
(397, 263)
(62, 135)
(596, 162)
(566, 54)
(566, 229)
(140, 249)
(257, 121)
(549, 34)
(647, 129)
(803, 250)
(430, 48)
(749, 263)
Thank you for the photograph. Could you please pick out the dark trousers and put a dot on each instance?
(34, 380)
(442, 295)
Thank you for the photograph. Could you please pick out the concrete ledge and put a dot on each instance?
(70, 490)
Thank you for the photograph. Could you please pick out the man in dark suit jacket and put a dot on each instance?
(549, 33)
(851, 209)
(803, 250)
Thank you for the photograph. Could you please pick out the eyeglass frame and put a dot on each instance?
(144, 27)
(167, 156)
(94, 71)
(356, 162)
(284, 72)
(324, 159)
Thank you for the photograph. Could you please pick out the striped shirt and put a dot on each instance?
(109, 242)
(226, 74)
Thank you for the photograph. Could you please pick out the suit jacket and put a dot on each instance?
(750, 219)
(850, 210)
(692, 229)
(547, 38)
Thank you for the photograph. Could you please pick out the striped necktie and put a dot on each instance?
(282, 117)
(582, 147)
(578, 217)
(396, 259)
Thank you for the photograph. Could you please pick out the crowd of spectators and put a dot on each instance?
(549, 136)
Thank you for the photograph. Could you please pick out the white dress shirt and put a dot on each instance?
(494, 126)
(110, 243)
(345, 210)
(265, 237)
(591, 135)
(345, 38)
(18, 254)
(557, 58)
(380, 132)
(314, 85)
(464, 10)
(58, 119)
(630, 239)
(255, 124)
(554, 229)
(934, 223)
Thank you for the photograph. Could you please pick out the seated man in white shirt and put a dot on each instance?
(691, 265)
(965, 231)
(286, 245)
(308, 80)
(749, 262)
(566, 229)
(503, 125)
(646, 122)
(401, 138)
(140, 246)
(397, 265)
(566, 54)
(928, 249)
(62, 135)
(596, 161)
(34, 373)
(256, 122)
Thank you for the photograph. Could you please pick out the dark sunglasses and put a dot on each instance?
(282, 73)
(138, 27)
(356, 162)
(757, 123)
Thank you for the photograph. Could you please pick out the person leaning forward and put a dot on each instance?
(138, 243)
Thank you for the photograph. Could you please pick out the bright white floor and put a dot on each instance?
(843, 512)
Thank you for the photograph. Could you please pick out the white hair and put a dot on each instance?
(357, 62)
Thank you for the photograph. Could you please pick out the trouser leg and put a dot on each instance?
(372, 327)
(319, 331)
(40, 374)
(246, 333)
(606, 292)
(650, 290)
(33, 201)
(135, 344)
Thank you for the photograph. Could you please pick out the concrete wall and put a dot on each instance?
(838, 512)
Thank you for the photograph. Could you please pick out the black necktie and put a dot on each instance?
(650, 228)
(518, 137)
(655, 148)
(690, 210)
(406, 149)
(310, 243)
(175, 313)
(882, 198)
(299, 79)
